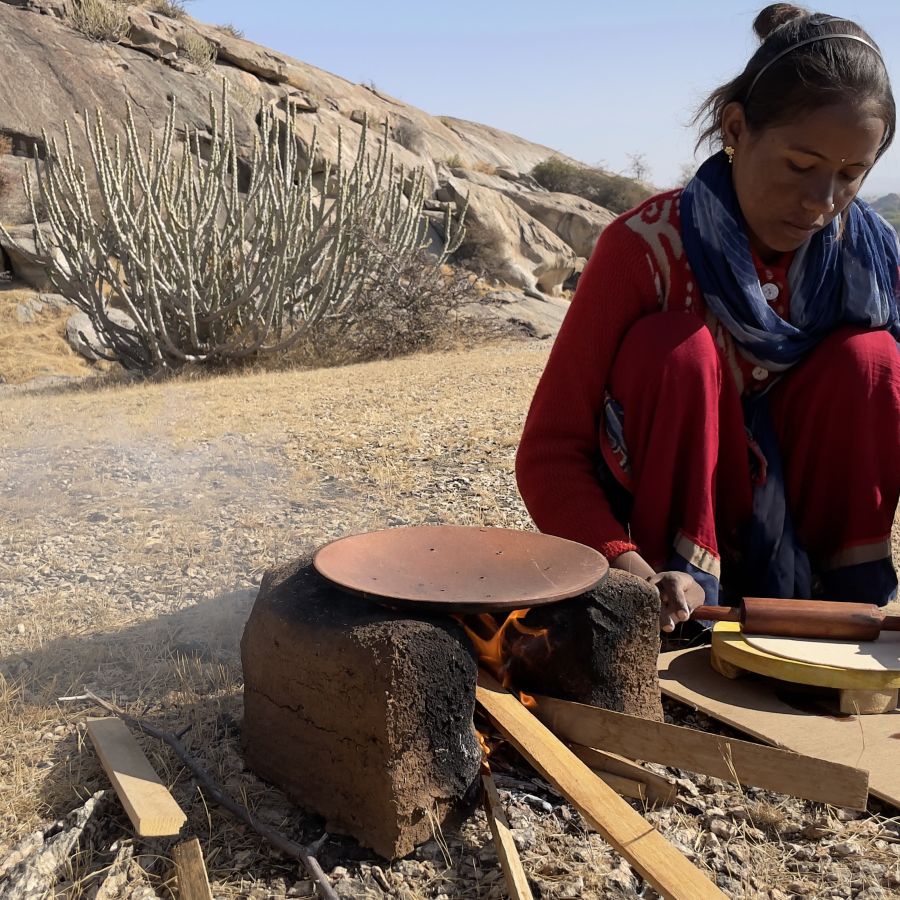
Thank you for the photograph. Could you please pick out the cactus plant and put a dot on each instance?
(210, 273)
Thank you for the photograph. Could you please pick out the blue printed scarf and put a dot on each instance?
(835, 280)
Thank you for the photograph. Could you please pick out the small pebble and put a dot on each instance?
(722, 828)
(844, 848)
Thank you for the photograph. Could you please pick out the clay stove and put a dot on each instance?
(364, 714)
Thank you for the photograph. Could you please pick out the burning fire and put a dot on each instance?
(488, 637)
(489, 644)
(527, 700)
(485, 747)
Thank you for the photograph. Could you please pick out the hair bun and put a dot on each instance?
(774, 16)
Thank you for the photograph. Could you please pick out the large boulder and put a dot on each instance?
(519, 250)
(573, 219)
(29, 264)
(532, 314)
(84, 338)
(147, 69)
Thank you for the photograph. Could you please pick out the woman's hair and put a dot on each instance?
(814, 75)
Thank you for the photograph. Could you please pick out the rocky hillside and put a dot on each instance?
(529, 239)
(889, 207)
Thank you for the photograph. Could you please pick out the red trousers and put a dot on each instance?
(836, 417)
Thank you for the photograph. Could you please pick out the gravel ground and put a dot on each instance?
(137, 522)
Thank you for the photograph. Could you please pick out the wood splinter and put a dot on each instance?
(190, 870)
(510, 862)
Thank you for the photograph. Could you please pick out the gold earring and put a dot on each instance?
(729, 152)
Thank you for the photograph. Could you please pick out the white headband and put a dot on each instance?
(812, 40)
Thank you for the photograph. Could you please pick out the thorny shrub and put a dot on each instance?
(198, 50)
(174, 9)
(232, 29)
(411, 305)
(482, 248)
(101, 20)
(615, 192)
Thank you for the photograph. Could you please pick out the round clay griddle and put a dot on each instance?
(882, 655)
(451, 568)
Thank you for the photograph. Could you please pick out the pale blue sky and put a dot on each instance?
(594, 80)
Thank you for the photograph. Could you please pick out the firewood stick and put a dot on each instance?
(667, 870)
(711, 754)
(275, 838)
(656, 788)
(510, 863)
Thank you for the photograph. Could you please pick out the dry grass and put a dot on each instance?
(39, 348)
(232, 29)
(327, 453)
(201, 484)
(174, 9)
(484, 168)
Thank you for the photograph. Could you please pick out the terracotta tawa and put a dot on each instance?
(451, 568)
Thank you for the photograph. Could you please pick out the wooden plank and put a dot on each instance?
(711, 754)
(190, 869)
(510, 863)
(667, 870)
(151, 808)
(656, 788)
(624, 787)
(754, 706)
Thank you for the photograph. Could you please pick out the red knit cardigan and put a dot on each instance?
(638, 267)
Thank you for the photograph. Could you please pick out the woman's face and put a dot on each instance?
(792, 180)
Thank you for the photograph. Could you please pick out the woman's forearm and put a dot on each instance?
(632, 561)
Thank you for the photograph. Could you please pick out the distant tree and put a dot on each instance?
(686, 172)
(638, 167)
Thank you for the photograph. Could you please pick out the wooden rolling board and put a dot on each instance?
(881, 656)
(753, 706)
(731, 646)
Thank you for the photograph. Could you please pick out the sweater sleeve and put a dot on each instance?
(557, 456)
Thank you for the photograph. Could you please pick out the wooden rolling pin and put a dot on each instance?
(804, 618)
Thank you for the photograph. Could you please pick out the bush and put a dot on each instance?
(101, 20)
(174, 9)
(410, 306)
(212, 276)
(198, 50)
(232, 29)
(615, 192)
(481, 249)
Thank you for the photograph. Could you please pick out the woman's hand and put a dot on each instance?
(679, 595)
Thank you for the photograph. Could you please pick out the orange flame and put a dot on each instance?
(489, 646)
(527, 700)
(485, 747)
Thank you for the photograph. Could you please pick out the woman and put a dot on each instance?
(726, 383)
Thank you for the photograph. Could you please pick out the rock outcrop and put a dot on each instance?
(540, 238)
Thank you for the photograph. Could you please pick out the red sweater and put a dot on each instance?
(637, 268)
